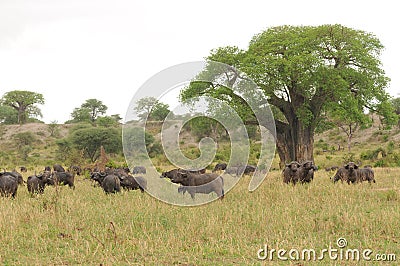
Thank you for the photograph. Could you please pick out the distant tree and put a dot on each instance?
(90, 139)
(89, 111)
(144, 106)
(159, 112)
(349, 118)
(95, 107)
(53, 128)
(79, 115)
(24, 102)
(151, 109)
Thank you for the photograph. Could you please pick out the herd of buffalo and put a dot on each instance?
(296, 172)
(111, 180)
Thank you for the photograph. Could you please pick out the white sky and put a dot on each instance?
(73, 50)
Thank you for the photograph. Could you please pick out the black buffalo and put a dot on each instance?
(196, 183)
(8, 185)
(307, 172)
(292, 173)
(63, 178)
(246, 169)
(58, 168)
(37, 183)
(109, 182)
(132, 183)
(219, 167)
(348, 173)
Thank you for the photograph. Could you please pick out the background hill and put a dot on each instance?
(374, 146)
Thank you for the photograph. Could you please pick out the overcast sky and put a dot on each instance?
(73, 50)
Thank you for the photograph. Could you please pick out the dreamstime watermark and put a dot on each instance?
(338, 252)
(225, 87)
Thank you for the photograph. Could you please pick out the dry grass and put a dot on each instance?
(85, 226)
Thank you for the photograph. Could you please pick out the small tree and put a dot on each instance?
(159, 112)
(53, 128)
(24, 102)
(349, 117)
(89, 140)
(151, 109)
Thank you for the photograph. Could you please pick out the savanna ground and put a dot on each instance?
(85, 226)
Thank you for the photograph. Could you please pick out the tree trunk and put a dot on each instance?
(349, 137)
(295, 143)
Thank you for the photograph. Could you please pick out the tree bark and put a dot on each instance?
(296, 144)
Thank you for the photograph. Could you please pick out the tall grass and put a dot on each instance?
(85, 226)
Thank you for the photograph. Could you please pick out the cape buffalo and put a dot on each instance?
(307, 172)
(8, 185)
(17, 176)
(219, 167)
(292, 172)
(366, 174)
(62, 178)
(347, 173)
(245, 170)
(58, 168)
(109, 182)
(37, 183)
(130, 182)
(197, 183)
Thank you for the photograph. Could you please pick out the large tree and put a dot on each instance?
(303, 71)
(24, 102)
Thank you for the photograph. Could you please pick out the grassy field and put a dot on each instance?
(85, 226)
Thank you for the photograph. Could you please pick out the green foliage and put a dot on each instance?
(64, 149)
(89, 111)
(306, 72)
(95, 108)
(112, 164)
(8, 115)
(373, 154)
(107, 121)
(150, 109)
(155, 149)
(53, 128)
(89, 140)
(350, 157)
(24, 103)
(79, 115)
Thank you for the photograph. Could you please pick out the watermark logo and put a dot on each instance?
(340, 251)
(221, 93)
